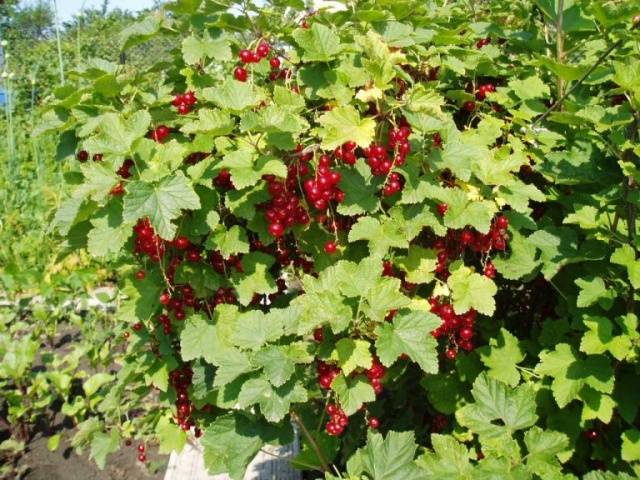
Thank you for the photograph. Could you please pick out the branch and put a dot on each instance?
(316, 448)
(597, 63)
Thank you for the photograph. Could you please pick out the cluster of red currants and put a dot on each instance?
(83, 156)
(247, 56)
(346, 153)
(455, 242)
(323, 188)
(458, 329)
(223, 266)
(125, 172)
(181, 381)
(375, 374)
(223, 180)
(481, 94)
(223, 295)
(378, 157)
(326, 373)
(147, 242)
(284, 210)
(184, 102)
(165, 323)
(338, 420)
(142, 456)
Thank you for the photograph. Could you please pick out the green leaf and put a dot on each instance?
(320, 43)
(383, 297)
(351, 354)
(213, 122)
(247, 168)
(390, 458)
(229, 242)
(94, 382)
(448, 461)
(631, 445)
(196, 50)
(53, 442)
(570, 373)
(592, 291)
(162, 202)
(352, 392)
(343, 124)
(419, 263)
(252, 329)
(502, 356)
(360, 188)
(171, 436)
(558, 246)
(103, 444)
(529, 88)
(459, 154)
(522, 260)
(234, 95)
(626, 257)
(277, 364)
(199, 339)
(381, 236)
(233, 440)
(499, 410)
(99, 180)
(600, 338)
(274, 402)
(255, 278)
(463, 211)
(410, 334)
(109, 233)
(472, 290)
(543, 446)
(116, 133)
(596, 405)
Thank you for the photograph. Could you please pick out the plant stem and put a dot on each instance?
(560, 44)
(323, 461)
(595, 65)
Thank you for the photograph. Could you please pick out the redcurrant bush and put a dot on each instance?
(484, 298)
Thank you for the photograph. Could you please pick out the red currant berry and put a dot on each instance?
(591, 435)
(240, 74)
(182, 242)
(165, 298)
(466, 333)
(330, 247)
(141, 448)
(246, 56)
(263, 49)
(142, 458)
(82, 156)
(140, 274)
(469, 106)
(374, 423)
(502, 222)
(276, 229)
(275, 63)
(451, 354)
(318, 335)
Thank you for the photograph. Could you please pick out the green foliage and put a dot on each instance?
(475, 301)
